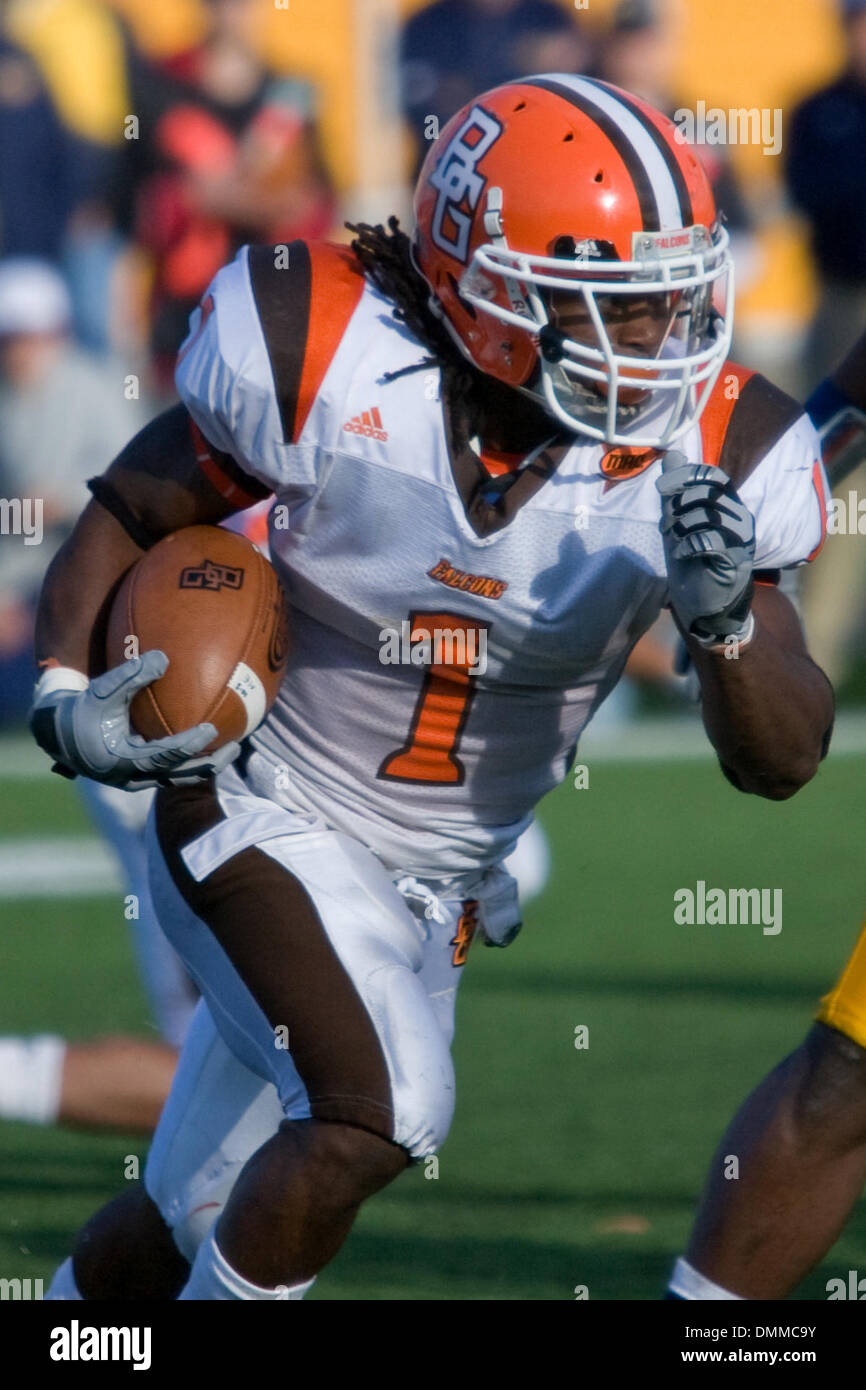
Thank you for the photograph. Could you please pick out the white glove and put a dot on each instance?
(85, 727)
(709, 541)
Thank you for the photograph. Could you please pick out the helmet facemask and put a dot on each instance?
(645, 399)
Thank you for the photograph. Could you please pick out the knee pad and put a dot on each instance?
(217, 1115)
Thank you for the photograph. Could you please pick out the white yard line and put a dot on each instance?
(21, 759)
(682, 739)
(72, 866)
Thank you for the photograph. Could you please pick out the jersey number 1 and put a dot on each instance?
(430, 752)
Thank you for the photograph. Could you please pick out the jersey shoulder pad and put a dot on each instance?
(305, 295)
(766, 443)
(745, 416)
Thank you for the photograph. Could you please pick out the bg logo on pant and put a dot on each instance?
(76, 1343)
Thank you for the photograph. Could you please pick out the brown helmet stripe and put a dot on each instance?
(661, 144)
(649, 208)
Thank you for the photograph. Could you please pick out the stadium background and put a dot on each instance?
(744, 55)
(565, 1167)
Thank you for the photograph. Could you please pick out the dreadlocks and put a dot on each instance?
(472, 398)
(386, 260)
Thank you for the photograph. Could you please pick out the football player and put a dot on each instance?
(122, 1081)
(469, 430)
(801, 1135)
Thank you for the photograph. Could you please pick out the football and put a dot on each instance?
(212, 602)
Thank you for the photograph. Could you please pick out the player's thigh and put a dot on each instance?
(309, 960)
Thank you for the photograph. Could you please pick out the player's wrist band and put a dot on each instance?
(43, 715)
(742, 637)
(59, 678)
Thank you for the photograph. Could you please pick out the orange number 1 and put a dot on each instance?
(430, 752)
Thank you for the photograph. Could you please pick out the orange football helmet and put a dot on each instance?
(560, 185)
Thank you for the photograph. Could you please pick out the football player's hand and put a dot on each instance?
(709, 542)
(87, 731)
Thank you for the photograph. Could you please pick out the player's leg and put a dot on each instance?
(267, 1246)
(124, 1252)
(217, 1114)
(800, 1142)
(115, 1082)
(448, 920)
(121, 817)
(309, 960)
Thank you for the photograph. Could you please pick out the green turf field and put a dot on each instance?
(564, 1167)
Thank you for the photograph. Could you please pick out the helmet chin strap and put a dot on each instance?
(568, 391)
(574, 396)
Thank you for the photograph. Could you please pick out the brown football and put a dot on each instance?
(212, 602)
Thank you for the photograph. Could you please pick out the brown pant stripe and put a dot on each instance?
(268, 926)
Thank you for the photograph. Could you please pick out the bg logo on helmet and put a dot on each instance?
(458, 181)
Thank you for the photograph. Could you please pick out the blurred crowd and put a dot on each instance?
(126, 180)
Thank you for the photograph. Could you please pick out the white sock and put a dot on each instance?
(686, 1282)
(31, 1075)
(212, 1277)
(63, 1288)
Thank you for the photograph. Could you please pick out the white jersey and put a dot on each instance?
(377, 533)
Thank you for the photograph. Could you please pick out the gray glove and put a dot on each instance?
(709, 541)
(87, 732)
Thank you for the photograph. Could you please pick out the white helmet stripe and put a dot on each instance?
(662, 144)
(644, 146)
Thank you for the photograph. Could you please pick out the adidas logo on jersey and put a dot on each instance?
(368, 423)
